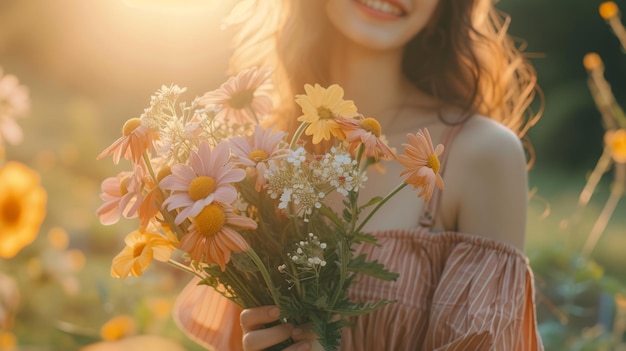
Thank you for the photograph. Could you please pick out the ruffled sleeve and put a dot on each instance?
(208, 318)
(483, 301)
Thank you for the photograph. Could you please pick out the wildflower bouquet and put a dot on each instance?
(248, 208)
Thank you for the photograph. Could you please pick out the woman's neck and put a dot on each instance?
(372, 78)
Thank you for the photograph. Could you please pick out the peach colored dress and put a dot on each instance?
(456, 291)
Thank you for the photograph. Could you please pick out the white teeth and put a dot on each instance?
(382, 6)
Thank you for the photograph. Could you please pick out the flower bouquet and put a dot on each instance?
(249, 207)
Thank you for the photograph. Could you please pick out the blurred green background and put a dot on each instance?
(91, 65)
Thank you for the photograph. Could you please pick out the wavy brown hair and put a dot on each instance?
(470, 59)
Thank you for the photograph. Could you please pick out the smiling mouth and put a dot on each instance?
(383, 6)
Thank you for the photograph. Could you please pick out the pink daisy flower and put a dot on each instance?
(149, 203)
(119, 196)
(14, 102)
(135, 140)
(211, 235)
(209, 178)
(257, 150)
(243, 98)
(422, 162)
(366, 131)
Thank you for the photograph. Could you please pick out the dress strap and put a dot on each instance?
(429, 212)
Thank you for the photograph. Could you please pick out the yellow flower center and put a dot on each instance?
(10, 210)
(258, 156)
(130, 125)
(324, 113)
(433, 162)
(210, 220)
(371, 125)
(124, 185)
(138, 249)
(241, 99)
(163, 173)
(608, 9)
(201, 187)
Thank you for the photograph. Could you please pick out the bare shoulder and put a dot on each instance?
(488, 180)
(489, 142)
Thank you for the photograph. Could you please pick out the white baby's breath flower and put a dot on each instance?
(309, 254)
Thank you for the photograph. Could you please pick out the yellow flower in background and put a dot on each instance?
(321, 107)
(616, 140)
(141, 248)
(8, 342)
(608, 9)
(118, 327)
(22, 207)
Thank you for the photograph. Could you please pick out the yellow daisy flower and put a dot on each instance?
(141, 248)
(321, 107)
(22, 207)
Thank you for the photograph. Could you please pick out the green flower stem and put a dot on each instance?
(380, 204)
(249, 300)
(256, 119)
(297, 135)
(183, 267)
(146, 159)
(359, 156)
(344, 258)
(266, 275)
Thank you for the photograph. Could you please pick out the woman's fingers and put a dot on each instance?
(300, 346)
(303, 332)
(256, 317)
(260, 339)
(255, 336)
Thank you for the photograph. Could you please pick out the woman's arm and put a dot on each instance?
(488, 166)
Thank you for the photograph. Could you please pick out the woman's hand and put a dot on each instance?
(256, 337)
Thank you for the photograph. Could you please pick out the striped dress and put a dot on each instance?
(456, 291)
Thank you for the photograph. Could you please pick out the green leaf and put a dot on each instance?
(365, 238)
(322, 301)
(372, 268)
(373, 201)
(330, 214)
(347, 215)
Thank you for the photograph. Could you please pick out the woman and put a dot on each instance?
(447, 65)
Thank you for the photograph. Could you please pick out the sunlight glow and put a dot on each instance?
(174, 5)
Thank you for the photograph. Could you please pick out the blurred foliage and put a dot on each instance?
(580, 302)
(558, 34)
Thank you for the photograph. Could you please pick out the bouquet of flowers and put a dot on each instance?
(248, 207)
